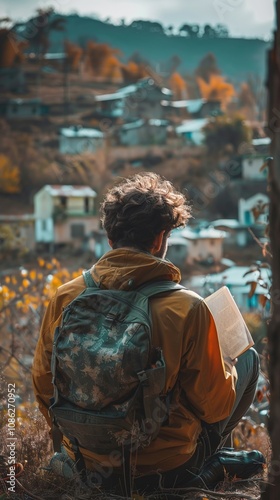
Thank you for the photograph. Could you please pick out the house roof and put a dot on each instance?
(17, 218)
(68, 190)
(263, 198)
(233, 276)
(81, 132)
(229, 223)
(191, 105)
(133, 125)
(123, 92)
(191, 125)
(20, 102)
(204, 233)
(261, 141)
(140, 123)
(177, 240)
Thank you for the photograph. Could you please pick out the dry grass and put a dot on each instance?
(37, 482)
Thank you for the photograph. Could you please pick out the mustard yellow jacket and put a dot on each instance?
(184, 328)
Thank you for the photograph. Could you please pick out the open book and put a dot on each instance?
(233, 333)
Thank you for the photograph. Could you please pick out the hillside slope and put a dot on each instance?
(237, 57)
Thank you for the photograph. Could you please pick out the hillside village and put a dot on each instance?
(67, 133)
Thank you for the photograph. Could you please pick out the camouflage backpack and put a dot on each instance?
(108, 379)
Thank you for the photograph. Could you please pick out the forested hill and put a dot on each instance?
(237, 57)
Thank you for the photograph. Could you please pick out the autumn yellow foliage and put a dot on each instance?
(178, 86)
(102, 60)
(24, 296)
(132, 71)
(9, 176)
(217, 89)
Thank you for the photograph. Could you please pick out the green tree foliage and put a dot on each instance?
(226, 135)
(148, 26)
(38, 29)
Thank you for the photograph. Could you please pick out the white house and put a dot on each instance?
(64, 214)
(235, 280)
(237, 233)
(77, 140)
(192, 131)
(253, 210)
(203, 246)
(252, 167)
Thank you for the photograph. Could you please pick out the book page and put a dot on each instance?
(233, 333)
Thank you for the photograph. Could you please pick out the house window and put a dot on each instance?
(86, 205)
(63, 201)
(252, 302)
(77, 230)
(44, 224)
(248, 217)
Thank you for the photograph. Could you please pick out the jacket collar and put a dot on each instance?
(127, 268)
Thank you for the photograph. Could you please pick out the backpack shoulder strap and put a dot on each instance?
(155, 287)
(89, 281)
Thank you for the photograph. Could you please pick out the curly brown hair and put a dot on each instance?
(136, 210)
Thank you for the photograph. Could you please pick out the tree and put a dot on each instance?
(247, 101)
(272, 491)
(209, 31)
(178, 86)
(11, 50)
(222, 134)
(207, 67)
(9, 175)
(256, 85)
(73, 54)
(38, 29)
(148, 26)
(222, 31)
(216, 89)
(102, 59)
(190, 30)
(170, 29)
(132, 72)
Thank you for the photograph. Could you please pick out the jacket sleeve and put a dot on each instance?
(208, 389)
(41, 369)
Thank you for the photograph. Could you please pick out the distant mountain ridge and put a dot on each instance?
(237, 57)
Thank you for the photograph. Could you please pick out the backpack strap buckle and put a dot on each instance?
(143, 379)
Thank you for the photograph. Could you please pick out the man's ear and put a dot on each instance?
(157, 243)
(110, 243)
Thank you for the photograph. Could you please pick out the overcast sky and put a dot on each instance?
(243, 17)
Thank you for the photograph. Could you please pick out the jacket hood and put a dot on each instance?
(127, 268)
